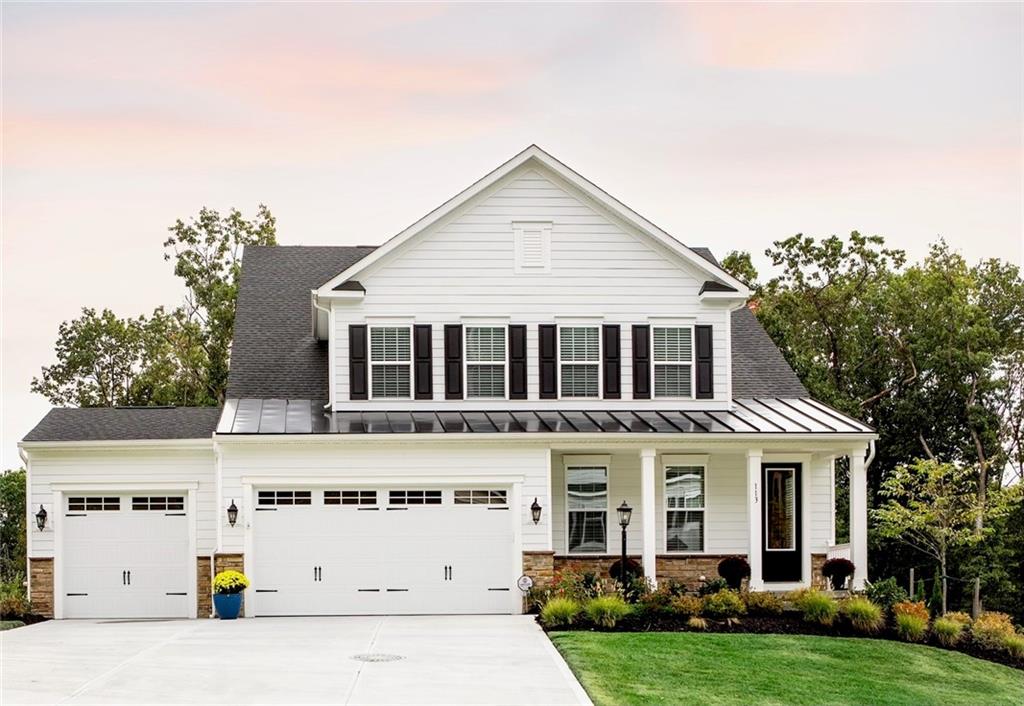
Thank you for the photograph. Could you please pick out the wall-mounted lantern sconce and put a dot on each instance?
(41, 518)
(232, 513)
(535, 511)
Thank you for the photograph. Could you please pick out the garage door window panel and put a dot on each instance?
(284, 497)
(94, 504)
(174, 502)
(414, 497)
(350, 497)
(587, 502)
(481, 497)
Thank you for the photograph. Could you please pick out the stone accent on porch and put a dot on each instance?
(539, 566)
(41, 578)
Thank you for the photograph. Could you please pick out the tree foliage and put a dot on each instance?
(12, 524)
(179, 357)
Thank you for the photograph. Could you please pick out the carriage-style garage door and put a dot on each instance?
(351, 551)
(125, 556)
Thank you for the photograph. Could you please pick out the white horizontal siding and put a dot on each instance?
(127, 470)
(465, 267)
(341, 462)
(819, 504)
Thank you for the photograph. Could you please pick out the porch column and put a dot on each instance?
(648, 514)
(754, 518)
(858, 518)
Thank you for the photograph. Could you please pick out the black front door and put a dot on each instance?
(781, 526)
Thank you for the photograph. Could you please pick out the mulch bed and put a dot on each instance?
(786, 624)
(27, 618)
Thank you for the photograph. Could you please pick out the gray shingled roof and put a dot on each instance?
(125, 423)
(758, 368)
(274, 353)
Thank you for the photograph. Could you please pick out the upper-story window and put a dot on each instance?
(673, 361)
(486, 362)
(390, 362)
(579, 361)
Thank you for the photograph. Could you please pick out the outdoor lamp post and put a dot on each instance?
(535, 511)
(41, 518)
(625, 514)
(232, 514)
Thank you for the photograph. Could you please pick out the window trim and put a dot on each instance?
(570, 462)
(693, 361)
(369, 357)
(597, 363)
(675, 461)
(465, 358)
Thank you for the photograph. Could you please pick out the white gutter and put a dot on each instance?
(871, 453)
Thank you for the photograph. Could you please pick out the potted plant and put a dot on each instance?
(227, 593)
(837, 571)
(734, 569)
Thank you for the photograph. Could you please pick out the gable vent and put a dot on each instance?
(532, 247)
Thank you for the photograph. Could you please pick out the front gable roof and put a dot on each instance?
(535, 156)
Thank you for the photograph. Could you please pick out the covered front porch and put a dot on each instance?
(694, 504)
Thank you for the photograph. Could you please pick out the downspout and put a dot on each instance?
(330, 348)
(871, 455)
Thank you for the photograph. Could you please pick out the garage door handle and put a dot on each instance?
(129, 577)
(266, 590)
(498, 589)
(124, 578)
(76, 594)
(175, 593)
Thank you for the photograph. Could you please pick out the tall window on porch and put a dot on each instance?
(673, 361)
(579, 356)
(390, 362)
(587, 488)
(684, 508)
(485, 362)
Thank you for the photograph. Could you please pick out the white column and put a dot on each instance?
(754, 500)
(648, 514)
(858, 517)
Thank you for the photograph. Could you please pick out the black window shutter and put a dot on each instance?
(705, 363)
(548, 361)
(422, 361)
(357, 364)
(517, 362)
(641, 362)
(612, 366)
(453, 361)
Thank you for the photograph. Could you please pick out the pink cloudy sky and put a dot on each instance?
(728, 125)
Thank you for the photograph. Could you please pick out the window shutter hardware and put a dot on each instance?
(641, 362)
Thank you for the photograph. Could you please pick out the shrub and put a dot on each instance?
(687, 606)
(915, 608)
(816, 607)
(607, 610)
(710, 586)
(724, 604)
(911, 627)
(763, 603)
(13, 602)
(636, 589)
(697, 623)
(230, 582)
(734, 569)
(948, 632)
(886, 593)
(658, 601)
(577, 585)
(1014, 644)
(633, 570)
(837, 571)
(559, 611)
(958, 617)
(864, 615)
(935, 599)
(991, 629)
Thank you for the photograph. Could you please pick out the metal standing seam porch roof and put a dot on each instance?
(763, 415)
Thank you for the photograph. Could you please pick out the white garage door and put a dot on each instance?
(125, 556)
(384, 551)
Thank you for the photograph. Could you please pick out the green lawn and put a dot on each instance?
(10, 624)
(691, 668)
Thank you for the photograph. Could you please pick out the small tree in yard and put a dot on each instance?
(931, 507)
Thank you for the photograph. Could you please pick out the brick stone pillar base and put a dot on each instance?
(204, 587)
(225, 562)
(539, 566)
(41, 580)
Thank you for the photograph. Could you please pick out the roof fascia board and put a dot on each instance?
(566, 438)
(588, 188)
(118, 444)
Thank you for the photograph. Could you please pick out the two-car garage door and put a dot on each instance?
(383, 551)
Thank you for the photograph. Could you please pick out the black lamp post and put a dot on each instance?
(625, 514)
(41, 518)
(232, 514)
(535, 511)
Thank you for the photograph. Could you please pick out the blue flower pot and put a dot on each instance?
(228, 605)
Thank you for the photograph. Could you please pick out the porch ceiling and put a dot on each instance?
(763, 415)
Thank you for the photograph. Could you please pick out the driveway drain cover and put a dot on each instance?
(376, 657)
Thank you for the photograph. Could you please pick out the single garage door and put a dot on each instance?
(358, 551)
(125, 556)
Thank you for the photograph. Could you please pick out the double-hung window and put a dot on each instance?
(684, 508)
(579, 361)
(486, 362)
(390, 362)
(587, 500)
(673, 361)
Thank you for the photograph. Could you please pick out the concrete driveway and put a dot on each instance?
(440, 660)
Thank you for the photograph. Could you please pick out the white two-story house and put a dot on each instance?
(413, 427)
